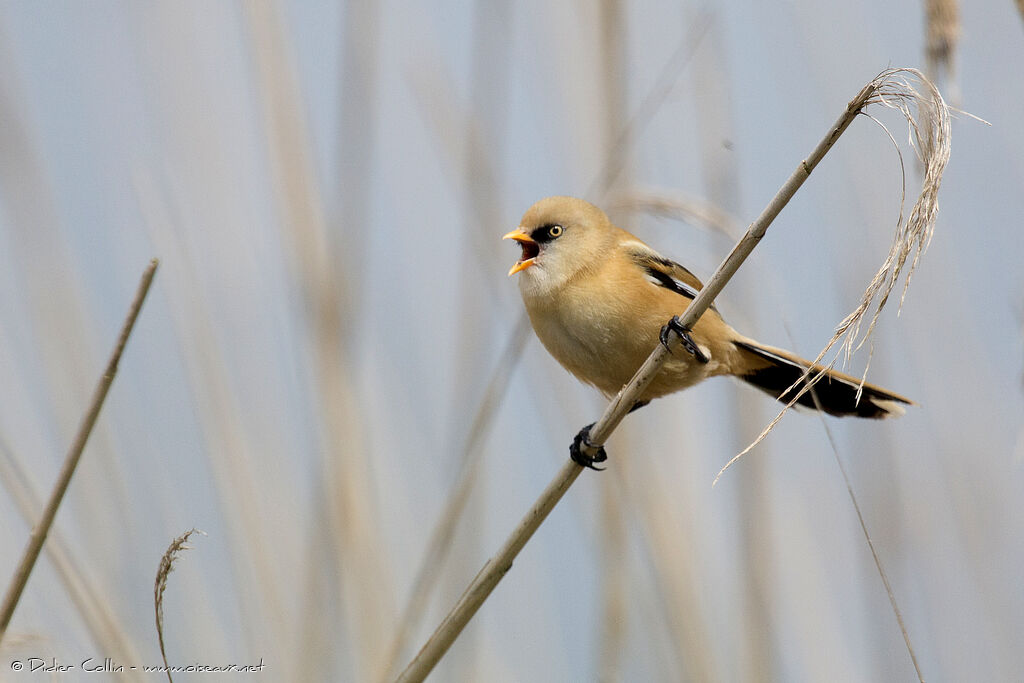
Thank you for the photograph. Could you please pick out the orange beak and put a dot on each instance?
(530, 250)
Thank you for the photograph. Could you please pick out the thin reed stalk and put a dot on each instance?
(440, 543)
(495, 569)
(752, 655)
(930, 138)
(329, 274)
(942, 35)
(438, 97)
(675, 571)
(666, 81)
(42, 527)
(92, 604)
(612, 47)
(871, 545)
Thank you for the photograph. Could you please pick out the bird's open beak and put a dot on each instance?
(530, 250)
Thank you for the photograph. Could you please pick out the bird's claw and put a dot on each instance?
(581, 458)
(687, 341)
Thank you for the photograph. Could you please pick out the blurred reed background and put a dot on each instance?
(332, 360)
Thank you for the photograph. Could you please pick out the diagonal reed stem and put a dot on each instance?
(42, 528)
(871, 544)
(499, 565)
(440, 544)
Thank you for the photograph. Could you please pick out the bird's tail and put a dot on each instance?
(774, 370)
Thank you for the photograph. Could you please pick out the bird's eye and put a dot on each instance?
(554, 231)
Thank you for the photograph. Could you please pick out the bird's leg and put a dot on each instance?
(581, 458)
(674, 325)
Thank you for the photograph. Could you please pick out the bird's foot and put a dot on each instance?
(687, 341)
(581, 458)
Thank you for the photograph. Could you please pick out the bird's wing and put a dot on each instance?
(664, 272)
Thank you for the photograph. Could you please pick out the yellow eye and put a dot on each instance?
(554, 231)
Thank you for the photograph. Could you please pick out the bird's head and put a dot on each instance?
(560, 237)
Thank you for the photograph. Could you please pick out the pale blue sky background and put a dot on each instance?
(131, 130)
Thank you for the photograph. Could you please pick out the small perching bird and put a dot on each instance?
(600, 299)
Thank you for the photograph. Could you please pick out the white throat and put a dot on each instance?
(539, 281)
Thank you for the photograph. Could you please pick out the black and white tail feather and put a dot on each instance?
(781, 375)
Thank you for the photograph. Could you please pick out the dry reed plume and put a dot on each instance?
(170, 556)
(929, 132)
(892, 89)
